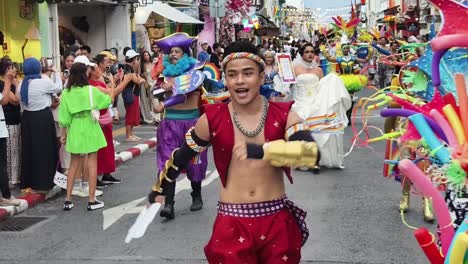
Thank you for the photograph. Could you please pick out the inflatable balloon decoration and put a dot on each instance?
(434, 110)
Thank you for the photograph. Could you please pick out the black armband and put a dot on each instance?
(299, 132)
(302, 135)
(179, 159)
(254, 151)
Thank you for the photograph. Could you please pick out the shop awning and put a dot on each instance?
(165, 10)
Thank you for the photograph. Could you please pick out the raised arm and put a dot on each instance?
(197, 141)
(327, 56)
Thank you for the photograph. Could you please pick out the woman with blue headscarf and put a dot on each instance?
(38, 135)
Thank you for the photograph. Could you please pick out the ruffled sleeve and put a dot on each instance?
(64, 115)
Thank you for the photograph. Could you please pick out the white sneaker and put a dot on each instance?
(97, 193)
(116, 143)
(80, 192)
(95, 205)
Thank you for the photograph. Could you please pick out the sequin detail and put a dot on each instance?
(267, 208)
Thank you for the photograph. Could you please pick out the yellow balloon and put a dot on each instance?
(460, 245)
(455, 123)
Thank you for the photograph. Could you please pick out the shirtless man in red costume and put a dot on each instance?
(256, 223)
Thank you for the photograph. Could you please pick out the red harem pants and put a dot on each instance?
(267, 232)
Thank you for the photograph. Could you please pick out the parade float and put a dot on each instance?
(430, 103)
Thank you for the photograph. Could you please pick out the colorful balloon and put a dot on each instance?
(460, 245)
(442, 154)
(436, 57)
(463, 228)
(449, 41)
(406, 113)
(455, 123)
(428, 245)
(440, 119)
(419, 179)
(462, 100)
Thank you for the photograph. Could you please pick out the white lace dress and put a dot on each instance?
(323, 104)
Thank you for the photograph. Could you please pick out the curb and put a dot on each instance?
(135, 151)
(31, 200)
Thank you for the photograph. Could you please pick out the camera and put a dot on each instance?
(66, 72)
(114, 69)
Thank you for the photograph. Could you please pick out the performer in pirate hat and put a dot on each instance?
(180, 113)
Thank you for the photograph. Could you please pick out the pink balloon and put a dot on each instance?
(443, 123)
(419, 179)
(449, 41)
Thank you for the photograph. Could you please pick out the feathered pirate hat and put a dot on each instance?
(179, 39)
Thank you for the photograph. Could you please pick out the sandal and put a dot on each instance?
(131, 139)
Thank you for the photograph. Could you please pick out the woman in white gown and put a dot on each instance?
(322, 103)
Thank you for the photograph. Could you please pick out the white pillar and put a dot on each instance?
(54, 35)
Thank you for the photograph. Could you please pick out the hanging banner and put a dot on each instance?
(286, 69)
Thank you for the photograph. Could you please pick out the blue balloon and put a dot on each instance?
(362, 52)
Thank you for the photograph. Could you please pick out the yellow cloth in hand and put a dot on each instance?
(282, 153)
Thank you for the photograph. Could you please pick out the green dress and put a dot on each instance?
(84, 134)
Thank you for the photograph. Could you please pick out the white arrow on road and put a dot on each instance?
(113, 214)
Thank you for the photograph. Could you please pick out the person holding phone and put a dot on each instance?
(7, 77)
(67, 63)
(12, 112)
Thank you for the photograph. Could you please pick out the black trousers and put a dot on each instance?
(4, 185)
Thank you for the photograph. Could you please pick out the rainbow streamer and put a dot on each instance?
(212, 72)
(325, 124)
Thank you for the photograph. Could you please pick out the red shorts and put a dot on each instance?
(132, 116)
(266, 232)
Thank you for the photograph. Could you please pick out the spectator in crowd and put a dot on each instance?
(85, 51)
(125, 51)
(73, 49)
(155, 49)
(67, 63)
(131, 94)
(215, 56)
(115, 52)
(12, 112)
(114, 59)
(157, 64)
(47, 69)
(6, 199)
(203, 55)
(221, 55)
(83, 134)
(39, 154)
(146, 106)
(156, 75)
(106, 155)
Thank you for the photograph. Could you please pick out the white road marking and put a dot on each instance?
(125, 155)
(113, 214)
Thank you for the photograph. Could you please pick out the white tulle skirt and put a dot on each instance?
(326, 115)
